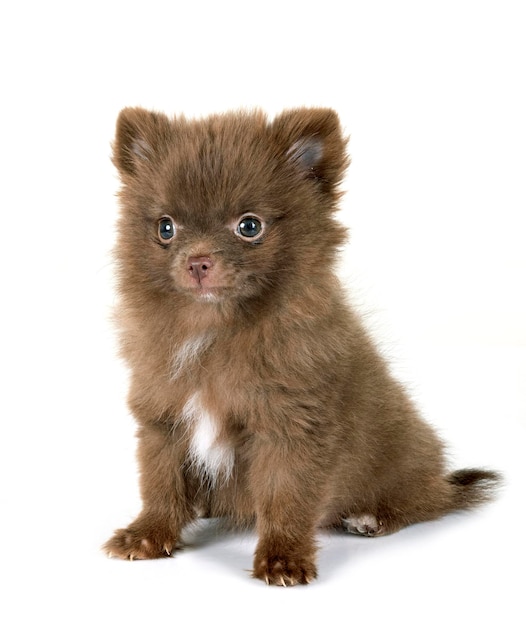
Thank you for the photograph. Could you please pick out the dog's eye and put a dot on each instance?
(166, 229)
(250, 227)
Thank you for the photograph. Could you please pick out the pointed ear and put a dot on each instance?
(312, 140)
(139, 137)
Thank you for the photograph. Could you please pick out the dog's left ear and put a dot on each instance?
(312, 141)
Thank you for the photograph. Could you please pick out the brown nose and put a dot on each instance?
(198, 266)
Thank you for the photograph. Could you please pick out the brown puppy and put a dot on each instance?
(259, 396)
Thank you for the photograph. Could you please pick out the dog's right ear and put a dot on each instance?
(139, 138)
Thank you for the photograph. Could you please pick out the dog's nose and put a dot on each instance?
(198, 266)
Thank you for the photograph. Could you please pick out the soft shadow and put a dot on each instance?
(232, 548)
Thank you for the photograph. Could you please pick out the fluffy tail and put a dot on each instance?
(472, 487)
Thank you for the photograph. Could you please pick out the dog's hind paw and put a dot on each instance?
(366, 525)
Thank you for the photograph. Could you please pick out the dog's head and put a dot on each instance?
(228, 207)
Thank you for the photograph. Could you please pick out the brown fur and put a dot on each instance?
(310, 428)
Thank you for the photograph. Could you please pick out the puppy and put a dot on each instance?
(258, 395)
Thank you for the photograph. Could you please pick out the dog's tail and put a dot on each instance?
(472, 487)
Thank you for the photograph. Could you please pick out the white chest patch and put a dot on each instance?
(212, 458)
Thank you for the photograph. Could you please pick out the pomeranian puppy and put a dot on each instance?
(258, 394)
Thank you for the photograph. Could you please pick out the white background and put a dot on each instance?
(433, 95)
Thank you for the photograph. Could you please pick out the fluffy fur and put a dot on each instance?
(258, 394)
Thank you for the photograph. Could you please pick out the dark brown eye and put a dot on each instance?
(250, 227)
(166, 229)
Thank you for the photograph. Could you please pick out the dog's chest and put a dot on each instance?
(210, 453)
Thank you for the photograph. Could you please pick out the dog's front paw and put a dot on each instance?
(140, 541)
(284, 571)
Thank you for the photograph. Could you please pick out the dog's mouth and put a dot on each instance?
(204, 293)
